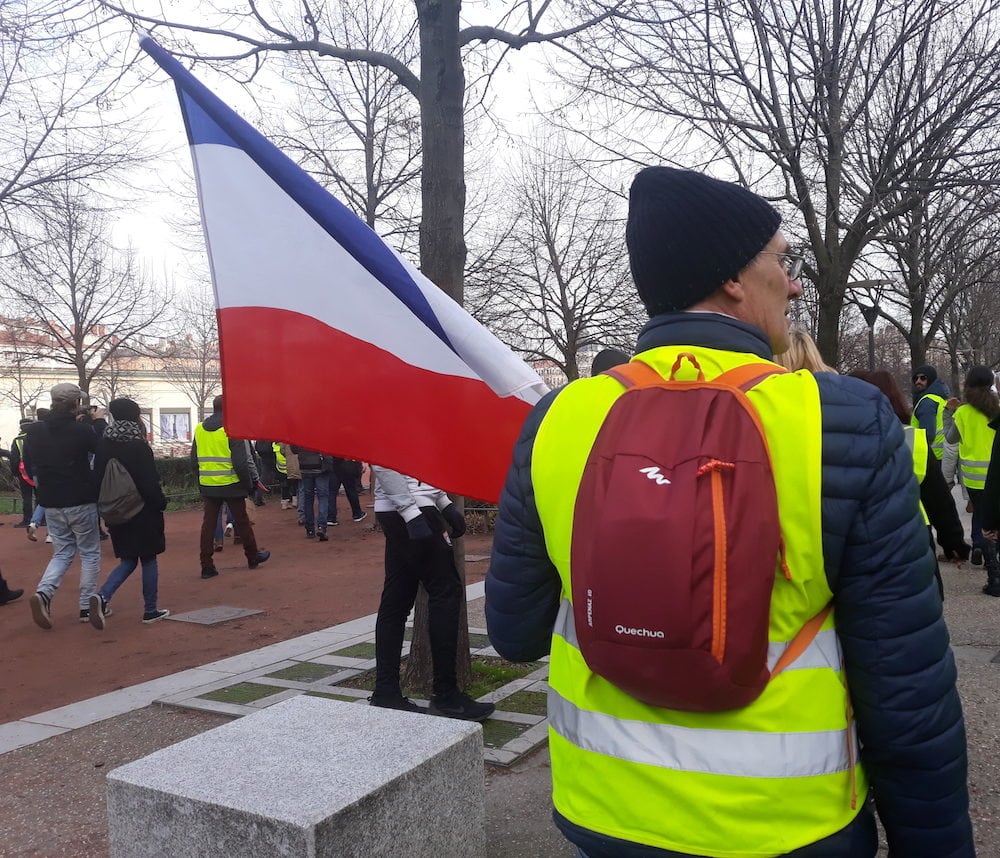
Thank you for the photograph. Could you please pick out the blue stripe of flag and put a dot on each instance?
(208, 120)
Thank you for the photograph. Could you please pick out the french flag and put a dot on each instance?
(331, 340)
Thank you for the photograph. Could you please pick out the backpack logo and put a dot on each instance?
(653, 473)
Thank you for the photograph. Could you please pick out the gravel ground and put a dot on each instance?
(52, 802)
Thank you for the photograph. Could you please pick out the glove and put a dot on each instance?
(455, 519)
(419, 528)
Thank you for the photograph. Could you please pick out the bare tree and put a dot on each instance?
(82, 298)
(191, 359)
(565, 285)
(357, 128)
(848, 113)
(113, 380)
(57, 103)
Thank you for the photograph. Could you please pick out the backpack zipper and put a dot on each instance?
(719, 569)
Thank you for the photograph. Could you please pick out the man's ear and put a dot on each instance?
(734, 289)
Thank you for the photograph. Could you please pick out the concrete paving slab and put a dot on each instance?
(17, 734)
(214, 615)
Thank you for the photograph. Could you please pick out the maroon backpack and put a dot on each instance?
(676, 541)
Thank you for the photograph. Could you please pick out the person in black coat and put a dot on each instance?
(140, 538)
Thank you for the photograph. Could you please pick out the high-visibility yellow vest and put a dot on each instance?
(917, 442)
(976, 446)
(279, 458)
(937, 442)
(746, 783)
(19, 443)
(215, 462)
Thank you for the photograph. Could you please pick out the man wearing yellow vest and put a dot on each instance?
(868, 707)
(226, 475)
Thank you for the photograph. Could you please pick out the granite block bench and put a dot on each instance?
(307, 777)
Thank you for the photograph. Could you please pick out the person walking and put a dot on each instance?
(974, 432)
(416, 519)
(57, 451)
(930, 394)
(226, 475)
(847, 625)
(346, 473)
(24, 482)
(141, 538)
(315, 470)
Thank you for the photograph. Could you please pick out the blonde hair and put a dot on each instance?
(802, 354)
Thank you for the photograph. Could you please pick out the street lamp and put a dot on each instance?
(870, 313)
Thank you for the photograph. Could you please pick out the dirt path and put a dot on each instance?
(305, 586)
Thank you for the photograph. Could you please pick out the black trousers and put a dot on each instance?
(343, 476)
(408, 563)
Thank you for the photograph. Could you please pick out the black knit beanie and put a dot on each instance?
(687, 234)
(124, 409)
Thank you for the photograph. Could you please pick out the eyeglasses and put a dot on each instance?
(791, 262)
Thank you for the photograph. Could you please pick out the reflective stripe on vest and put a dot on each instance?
(762, 780)
(215, 463)
(279, 458)
(976, 446)
(937, 442)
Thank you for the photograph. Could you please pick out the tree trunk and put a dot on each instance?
(831, 305)
(442, 246)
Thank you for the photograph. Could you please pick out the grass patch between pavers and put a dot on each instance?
(488, 674)
(359, 650)
(496, 734)
(305, 672)
(346, 698)
(525, 702)
(244, 692)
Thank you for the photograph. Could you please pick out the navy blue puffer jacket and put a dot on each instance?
(898, 661)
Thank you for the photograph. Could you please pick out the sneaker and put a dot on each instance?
(153, 616)
(260, 558)
(228, 531)
(32, 533)
(360, 517)
(321, 535)
(23, 524)
(333, 523)
(210, 572)
(97, 612)
(48, 539)
(976, 558)
(11, 596)
(85, 614)
(310, 534)
(40, 604)
(218, 545)
(461, 706)
(403, 704)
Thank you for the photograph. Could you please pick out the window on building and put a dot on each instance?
(147, 420)
(175, 425)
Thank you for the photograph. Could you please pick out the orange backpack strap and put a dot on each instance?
(800, 643)
(635, 374)
(748, 375)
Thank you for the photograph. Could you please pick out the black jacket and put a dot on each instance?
(142, 536)
(57, 454)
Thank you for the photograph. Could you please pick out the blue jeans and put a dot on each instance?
(73, 529)
(38, 516)
(988, 546)
(150, 578)
(218, 523)
(321, 484)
